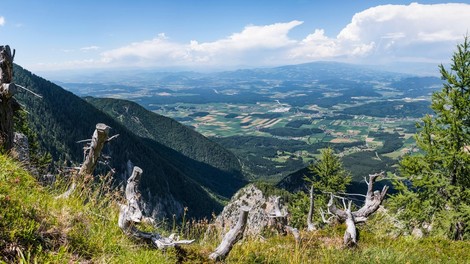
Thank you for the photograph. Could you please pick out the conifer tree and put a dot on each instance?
(327, 175)
(436, 193)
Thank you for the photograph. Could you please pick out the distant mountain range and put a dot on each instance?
(178, 170)
(144, 75)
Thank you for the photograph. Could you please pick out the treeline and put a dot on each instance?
(255, 150)
(396, 109)
(291, 132)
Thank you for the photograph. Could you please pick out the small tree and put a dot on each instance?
(327, 175)
(436, 192)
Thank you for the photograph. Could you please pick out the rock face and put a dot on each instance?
(20, 149)
(260, 215)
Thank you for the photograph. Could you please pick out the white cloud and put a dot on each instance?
(409, 30)
(386, 33)
(237, 48)
(89, 48)
(2, 21)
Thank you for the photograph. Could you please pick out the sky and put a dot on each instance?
(213, 35)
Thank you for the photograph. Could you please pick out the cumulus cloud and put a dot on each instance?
(2, 21)
(409, 30)
(385, 33)
(236, 48)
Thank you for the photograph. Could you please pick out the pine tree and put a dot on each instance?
(436, 192)
(327, 175)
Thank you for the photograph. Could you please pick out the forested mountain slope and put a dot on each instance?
(169, 181)
(205, 161)
(168, 132)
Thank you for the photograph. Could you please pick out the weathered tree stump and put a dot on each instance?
(280, 221)
(93, 150)
(8, 104)
(372, 202)
(232, 236)
(310, 225)
(92, 153)
(130, 215)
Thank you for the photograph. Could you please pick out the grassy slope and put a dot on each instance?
(35, 227)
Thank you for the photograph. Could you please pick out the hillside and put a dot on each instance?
(275, 119)
(61, 118)
(36, 228)
(172, 134)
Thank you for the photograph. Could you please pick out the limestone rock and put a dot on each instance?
(20, 149)
(259, 216)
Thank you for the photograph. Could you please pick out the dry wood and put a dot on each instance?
(130, 215)
(350, 234)
(93, 150)
(373, 199)
(91, 153)
(8, 104)
(294, 231)
(310, 224)
(235, 234)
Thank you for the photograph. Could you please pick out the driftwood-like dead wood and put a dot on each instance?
(310, 224)
(350, 234)
(280, 220)
(373, 199)
(130, 215)
(93, 150)
(8, 104)
(372, 202)
(294, 231)
(92, 153)
(235, 234)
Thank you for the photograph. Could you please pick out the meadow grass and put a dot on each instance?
(35, 227)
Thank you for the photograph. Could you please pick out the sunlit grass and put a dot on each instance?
(37, 228)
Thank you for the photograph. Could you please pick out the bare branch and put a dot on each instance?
(310, 224)
(235, 234)
(130, 215)
(373, 199)
(28, 90)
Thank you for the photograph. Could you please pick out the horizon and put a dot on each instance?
(55, 38)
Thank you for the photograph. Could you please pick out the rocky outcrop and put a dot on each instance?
(20, 149)
(263, 211)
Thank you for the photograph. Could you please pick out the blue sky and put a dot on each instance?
(219, 35)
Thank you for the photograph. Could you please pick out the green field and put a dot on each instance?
(220, 120)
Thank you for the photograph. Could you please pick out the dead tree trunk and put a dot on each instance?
(8, 104)
(92, 153)
(235, 234)
(280, 221)
(130, 215)
(310, 224)
(93, 150)
(371, 204)
(350, 235)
